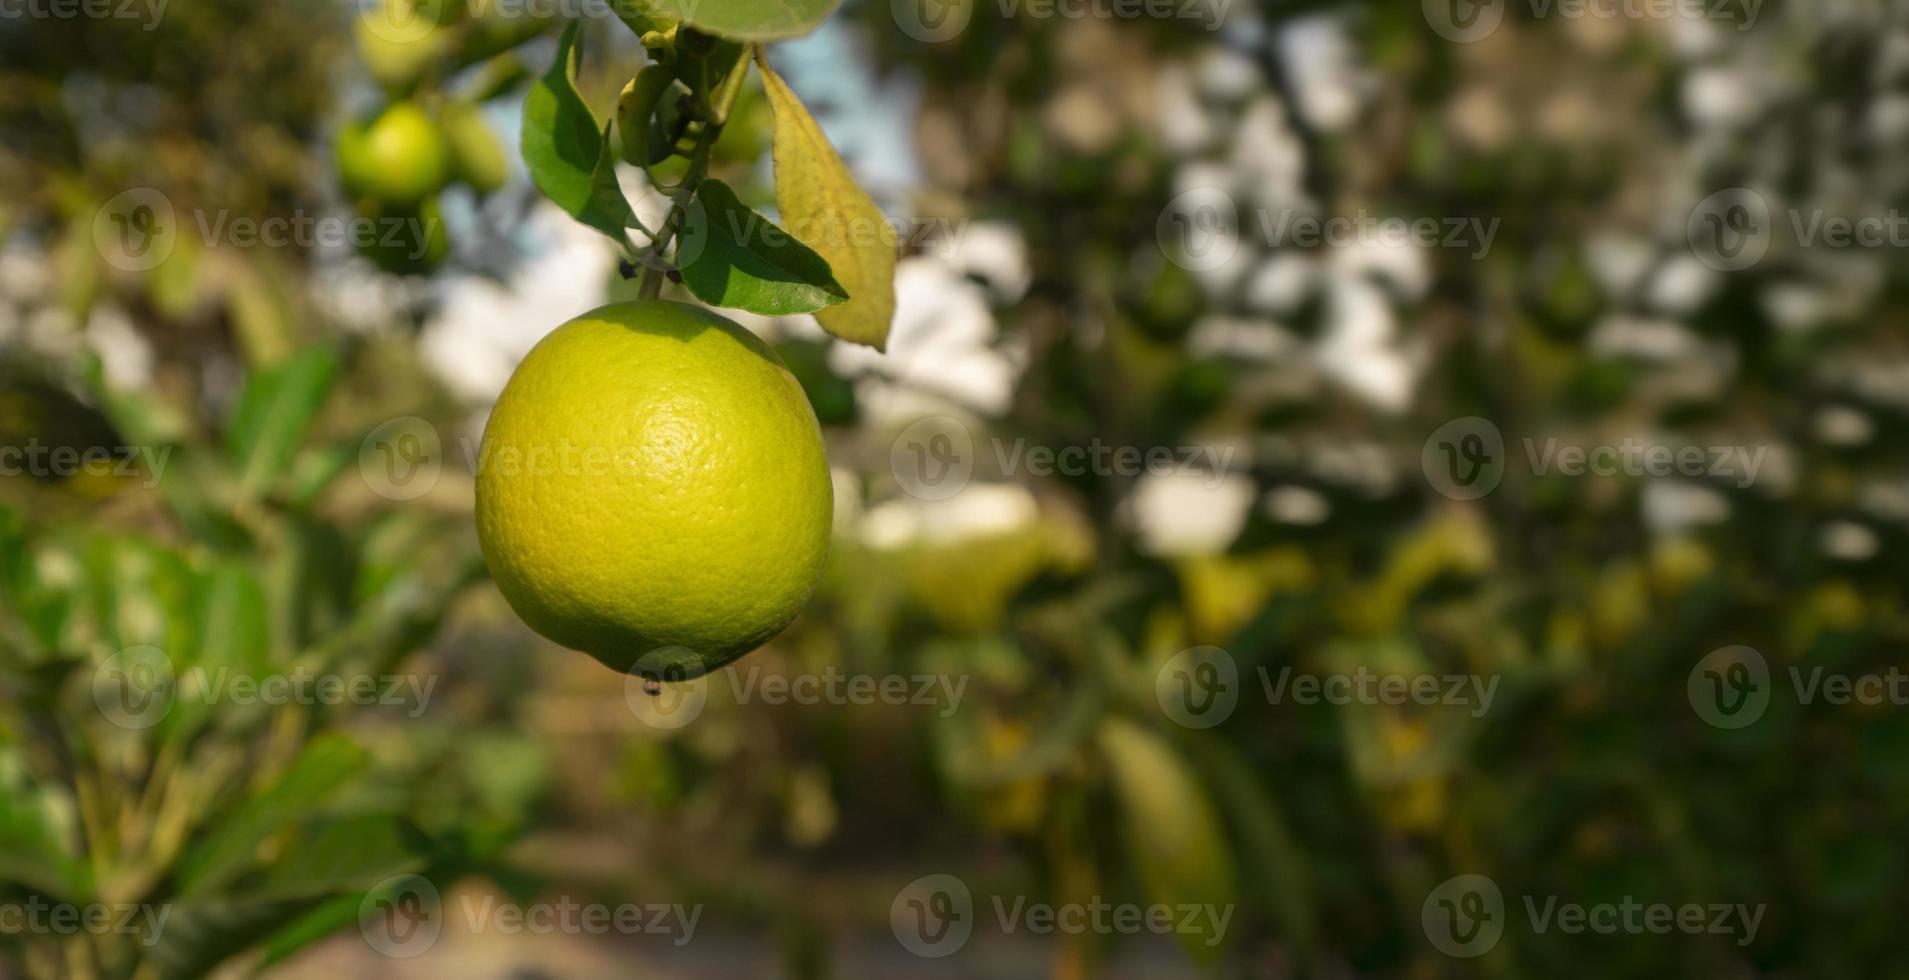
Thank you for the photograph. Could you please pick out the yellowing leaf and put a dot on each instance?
(823, 207)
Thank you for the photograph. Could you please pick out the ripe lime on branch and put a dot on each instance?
(652, 486)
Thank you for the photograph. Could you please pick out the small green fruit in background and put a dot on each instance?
(477, 155)
(404, 240)
(399, 44)
(396, 158)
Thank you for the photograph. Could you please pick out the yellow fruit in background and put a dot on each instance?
(1015, 806)
(652, 490)
(398, 157)
(1225, 592)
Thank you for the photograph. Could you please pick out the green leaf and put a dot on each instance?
(1172, 831)
(328, 762)
(234, 639)
(346, 855)
(819, 198)
(309, 927)
(1277, 868)
(195, 937)
(31, 852)
(732, 256)
(739, 20)
(273, 412)
(570, 159)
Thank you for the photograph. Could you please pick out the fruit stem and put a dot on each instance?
(653, 263)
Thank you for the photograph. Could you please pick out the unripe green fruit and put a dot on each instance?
(654, 86)
(405, 240)
(477, 156)
(397, 158)
(397, 61)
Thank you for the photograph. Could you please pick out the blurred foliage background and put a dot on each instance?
(1034, 161)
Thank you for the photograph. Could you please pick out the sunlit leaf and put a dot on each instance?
(570, 158)
(273, 412)
(742, 20)
(823, 205)
(326, 764)
(732, 256)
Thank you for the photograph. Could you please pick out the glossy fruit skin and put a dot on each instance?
(397, 158)
(652, 490)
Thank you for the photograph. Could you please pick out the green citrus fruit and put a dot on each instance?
(398, 44)
(477, 157)
(652, 490)
(397, 158)
(403, 240)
